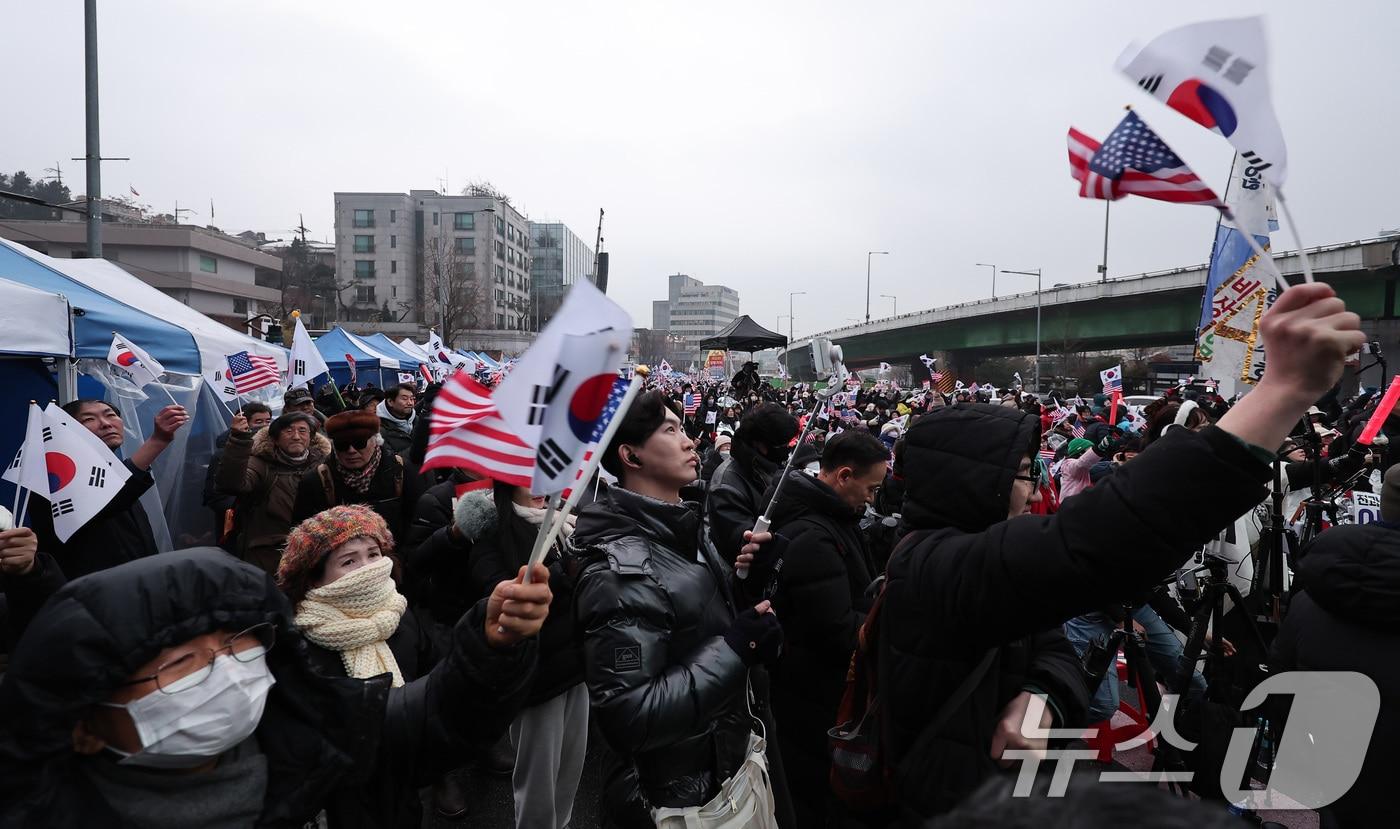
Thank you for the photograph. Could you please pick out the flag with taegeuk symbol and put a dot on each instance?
(1112, 379)
(466, 431)
(83, 474)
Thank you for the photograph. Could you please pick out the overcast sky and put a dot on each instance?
(761, 145)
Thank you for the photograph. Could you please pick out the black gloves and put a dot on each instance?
(766, 561)
(756, 638)
(1107, 447)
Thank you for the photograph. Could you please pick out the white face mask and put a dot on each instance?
(196, 724)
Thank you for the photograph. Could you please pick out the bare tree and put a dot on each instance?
(455, 296)
(485, 190)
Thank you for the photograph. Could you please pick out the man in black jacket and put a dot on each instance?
(821, 598)
(122, 530)
(169, 662)
(756, 454)
(666, 653)
(986, 584)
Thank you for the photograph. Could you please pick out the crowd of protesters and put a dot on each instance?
(364, 626)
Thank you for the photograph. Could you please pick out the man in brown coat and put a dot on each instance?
(262, 470)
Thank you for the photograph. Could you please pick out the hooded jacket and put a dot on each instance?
(397, 431)
(977, 581)
(667, 693)
(736, 497)
(266, 486)
(318, 734)
(1347, 618)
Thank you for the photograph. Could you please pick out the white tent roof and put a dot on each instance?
(416, 350)
(34, 322)
(385, 361)
(215, 340)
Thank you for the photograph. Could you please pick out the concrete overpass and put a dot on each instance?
(1148, 310)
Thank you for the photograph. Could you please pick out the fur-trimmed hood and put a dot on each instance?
(265, 450)
(475, 514)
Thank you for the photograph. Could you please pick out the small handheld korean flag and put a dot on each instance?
(27, 470)
(1112, 379)
(575, 402)
(306, 363)
(83, 474)
(221, 385)
(130, 358)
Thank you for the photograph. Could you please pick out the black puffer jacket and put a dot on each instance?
(821, 601)
(121, 532)
(1347, 618)
(436, 560)
(667, 693)
(497, 557)
(979, 581)
(318, 734)
(736, 497)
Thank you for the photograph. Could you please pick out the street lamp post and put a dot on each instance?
(787, 355)
(994, 277)
(1035, 273)
(869, 254)
(894, 312)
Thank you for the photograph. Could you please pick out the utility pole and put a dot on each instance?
(94, 151)
(869, 254)
(1103, 268)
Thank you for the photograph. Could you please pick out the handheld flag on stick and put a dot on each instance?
(140, 366)
(467, 431)
(306, 363)
(1133, 160)
(83, 474)
(250, 372)
(1112, 379)
(29, 471)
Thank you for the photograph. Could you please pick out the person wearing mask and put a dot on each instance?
(262, 470)
(222, 504)
(821, 595)
(718, 454)
(175, 690)
(978, 593)
(1345, 617)
(121, 531)
(360, 470)
(551, 734)
(666, 652)
(396, 416)
(757, 453)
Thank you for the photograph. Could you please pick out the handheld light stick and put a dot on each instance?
(1383, 410)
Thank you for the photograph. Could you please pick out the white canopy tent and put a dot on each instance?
(385, 361)
(34, 323)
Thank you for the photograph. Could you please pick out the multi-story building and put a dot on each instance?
(694, 310)
(558, 260)
(411, 258)
(221, 276)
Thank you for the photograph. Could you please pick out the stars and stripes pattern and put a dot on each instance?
(692, 403)
(1077, 428)
(467, 431)
(1112, 380)
(619, 391)
(1133, 160)
(250, 372)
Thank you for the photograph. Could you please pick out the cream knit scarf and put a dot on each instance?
(355, 615)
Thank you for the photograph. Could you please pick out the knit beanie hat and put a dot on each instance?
(1390, 495)
(313, 539)
(353, 426)
(1078, 446)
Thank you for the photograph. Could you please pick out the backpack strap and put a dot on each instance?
(398, 482)
(327, 484)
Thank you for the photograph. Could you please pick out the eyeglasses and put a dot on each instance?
(342, 445)
(1042, 474)
(190, 669)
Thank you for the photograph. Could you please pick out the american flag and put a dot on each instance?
(619, 391)
(1077, 428)
(1112, 379)
(466, 431)
(1133, 160)
(251, 372)
(1047, 454)
(692, 403)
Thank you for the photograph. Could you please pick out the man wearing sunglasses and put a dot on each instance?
(974, 600)
(175, 691)
(360, 470)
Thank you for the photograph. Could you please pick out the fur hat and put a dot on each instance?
(353, 426)
(313, 539)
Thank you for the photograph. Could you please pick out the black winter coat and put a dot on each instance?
(821, 601)
(393, 492)
(436, 561)
(318, 734)
(121, 532)
(979, 581)
(667, 693)
(1347, 618)
(497, 557)
(736, 497)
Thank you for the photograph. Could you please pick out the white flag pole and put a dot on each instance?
(1293, 229)
(1266, 261)
(639, 377)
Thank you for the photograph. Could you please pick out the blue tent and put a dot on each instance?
(172, 345)
(384, 345)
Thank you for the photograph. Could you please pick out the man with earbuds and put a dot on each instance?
(667, 653)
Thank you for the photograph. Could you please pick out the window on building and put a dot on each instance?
(393, 242)
(364, 293)
(500, 273)
(240, 306)
(500, 250)
(364, 268)
(364, 244)
(364, 218)
(510, 233)
(465, 245)
(393, 216)
(393, 266)
(463, 221)
(208, 264)
(435, 219)
(500, 226)
(500, 321)
(393, 290)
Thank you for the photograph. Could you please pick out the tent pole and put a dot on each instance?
(67, 381)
